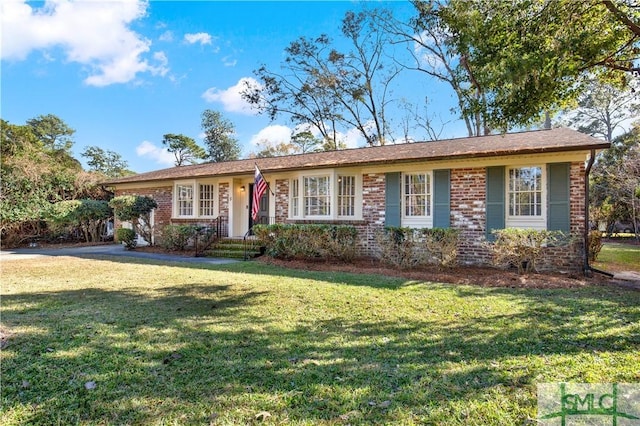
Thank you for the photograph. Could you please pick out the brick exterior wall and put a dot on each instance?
(223, 199)
(282, 200)
(373, 211)
(468, 193)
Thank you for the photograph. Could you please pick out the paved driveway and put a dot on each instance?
(104, 250)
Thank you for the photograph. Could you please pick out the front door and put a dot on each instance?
(263, 209)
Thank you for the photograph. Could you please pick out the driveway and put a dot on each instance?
(105, 250)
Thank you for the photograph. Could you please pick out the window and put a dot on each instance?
(317, 196)
(346, 195)
(185, 200)
(417, 195)
(295, 197)
(332, 196)
(525, 191)
(206, 200)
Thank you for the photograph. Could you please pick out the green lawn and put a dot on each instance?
(175, 344)
(616, 257)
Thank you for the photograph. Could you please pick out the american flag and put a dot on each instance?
(259, 186)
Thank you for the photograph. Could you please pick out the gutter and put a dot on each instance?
(588, 269)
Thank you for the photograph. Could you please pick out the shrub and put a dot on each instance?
(397, 246)
(128, 237)
(290, 241)
(137, 210)
(441, 246)
(411, 247)
(178, 237)
(594, 245)
(524, 248)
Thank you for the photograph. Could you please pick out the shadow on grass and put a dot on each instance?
(203, 350)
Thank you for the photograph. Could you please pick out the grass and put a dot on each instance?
(177, 344)
(616, 257)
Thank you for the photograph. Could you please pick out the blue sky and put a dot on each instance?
(122, 74)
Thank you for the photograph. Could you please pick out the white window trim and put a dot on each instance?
(355, 195)
(195, 185)
(527, 222)
(214, 199)
(333, 195)
(303, 196)
(425, 221)
(176, 205)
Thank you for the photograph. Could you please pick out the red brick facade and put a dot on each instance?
(467, 213)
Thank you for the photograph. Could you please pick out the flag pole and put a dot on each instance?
(265, 181)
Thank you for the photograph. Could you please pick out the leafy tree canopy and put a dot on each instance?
(109, 163)
(52, 132)
(516, 60)
(184, 149)
(38, 170)
(219, 131)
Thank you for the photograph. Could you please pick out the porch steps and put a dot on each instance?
(233, 248)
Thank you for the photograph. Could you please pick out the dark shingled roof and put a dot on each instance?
(541, 141)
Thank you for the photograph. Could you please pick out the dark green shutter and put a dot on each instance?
(495, 209)
(393, 207)
(558, 208)
(441, 198)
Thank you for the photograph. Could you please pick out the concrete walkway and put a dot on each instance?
(105, 250)
(627, 279)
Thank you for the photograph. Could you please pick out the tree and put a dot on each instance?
(221, 144)
(332, 90)
(615, 186)
(107, 162)
(88, 215)
(278, 149)
(515, 60)
(305, 142)
(32, 177)
(184, 149)
(54, 133)
(428, 41)
(137, 210)
(602, 108)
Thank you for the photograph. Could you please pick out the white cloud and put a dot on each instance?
(230, 98)
(352, 139)
(160, 155)
(273, 134)
(94, 34)
(202, 38)
(166, 36)
(229, 61)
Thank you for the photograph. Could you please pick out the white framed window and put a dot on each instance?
(346, 195)
(295, 197)
(184, 199)
(525, 192)
(206, 200)
(317, 196)
(416, 195)
(334, 195)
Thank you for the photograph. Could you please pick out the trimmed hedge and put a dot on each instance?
(291, 241)
(128, 237)
(524, 248)
(178, 237)
(413, 247)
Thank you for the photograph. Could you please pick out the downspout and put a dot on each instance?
(588, 268)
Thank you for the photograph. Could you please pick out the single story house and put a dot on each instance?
(534, 179)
